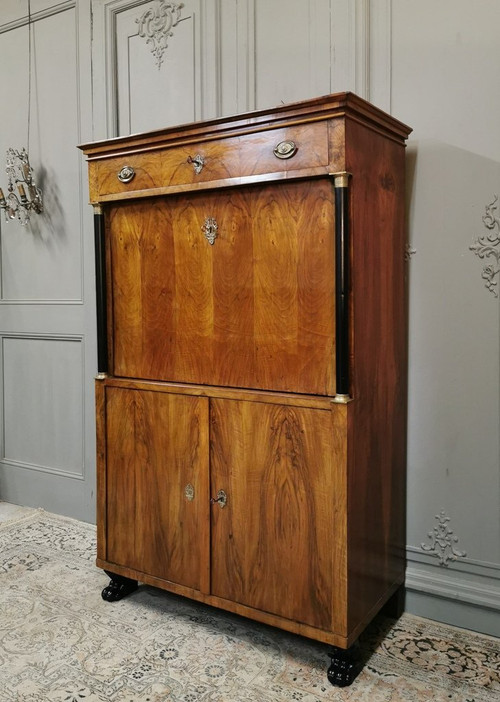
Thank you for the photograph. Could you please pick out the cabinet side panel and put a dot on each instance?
(272, 543)
(377, 415)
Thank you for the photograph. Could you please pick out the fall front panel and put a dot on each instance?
(227, 288)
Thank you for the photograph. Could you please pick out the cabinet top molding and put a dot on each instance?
(346, 105)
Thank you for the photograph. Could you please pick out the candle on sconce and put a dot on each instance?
(22, 192)
(28, 197)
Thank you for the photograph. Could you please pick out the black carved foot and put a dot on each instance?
(346, 665)
(118, 587)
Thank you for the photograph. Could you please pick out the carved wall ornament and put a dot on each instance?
(488, 246)
(156, 24)
(409, 251)
(442, 540)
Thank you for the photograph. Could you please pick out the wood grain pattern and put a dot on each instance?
(254, 310)
(272, 546)
(232, 157)
(317, 110)
(377, 417)
(224, 392)
(326, 636)
(157, 444)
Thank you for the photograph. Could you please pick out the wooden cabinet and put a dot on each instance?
(251, 394)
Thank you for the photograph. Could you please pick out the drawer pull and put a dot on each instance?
(221, 499)
(198, 163)
(126, 174)
(210, 228)
(285, 149)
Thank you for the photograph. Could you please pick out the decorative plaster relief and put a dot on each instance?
(442, 540)
(488, 246)
(409, 251)
(156, 24)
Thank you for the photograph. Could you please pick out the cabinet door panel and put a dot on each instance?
(157, 444)
(273, 543)
(254, 309)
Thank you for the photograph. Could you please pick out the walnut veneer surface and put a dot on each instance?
(221, 363)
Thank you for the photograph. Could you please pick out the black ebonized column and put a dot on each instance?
(342, 246)
(100, 277)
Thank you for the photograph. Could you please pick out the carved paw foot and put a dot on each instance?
(345, 667)
(118, 587)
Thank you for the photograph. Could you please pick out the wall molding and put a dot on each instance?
(41, 301)
(380, 54)
(40, 15)
(39, 468)
(80, 169)
(465, 565)
(6, 461)
(469, 581)
(486, 594)
(107, 81)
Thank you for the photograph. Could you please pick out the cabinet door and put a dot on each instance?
(156, 446)
(273, 543)
(253, 309)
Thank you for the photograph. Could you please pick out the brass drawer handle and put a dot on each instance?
(126, 174)
(221, 499)
(198, 162)
(285, 149)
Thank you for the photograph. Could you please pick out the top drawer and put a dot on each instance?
(223, 161)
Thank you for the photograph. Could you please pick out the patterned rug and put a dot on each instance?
(60, 641)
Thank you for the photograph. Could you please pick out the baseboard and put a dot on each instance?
(465, 594)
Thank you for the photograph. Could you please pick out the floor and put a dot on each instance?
(61, 641)
(9, 511)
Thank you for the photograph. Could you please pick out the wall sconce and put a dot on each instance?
(28, 197)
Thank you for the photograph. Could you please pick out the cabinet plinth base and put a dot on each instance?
(395, 606)
(345, 666)
(118, 588)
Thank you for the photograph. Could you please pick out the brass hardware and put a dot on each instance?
(189, 492)
(126, 174)
(221, 499)
(285, 149)
(198, 162)
(97, 209)
(341, 399)
(101, 376)
(210, 228)
(341, 179)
